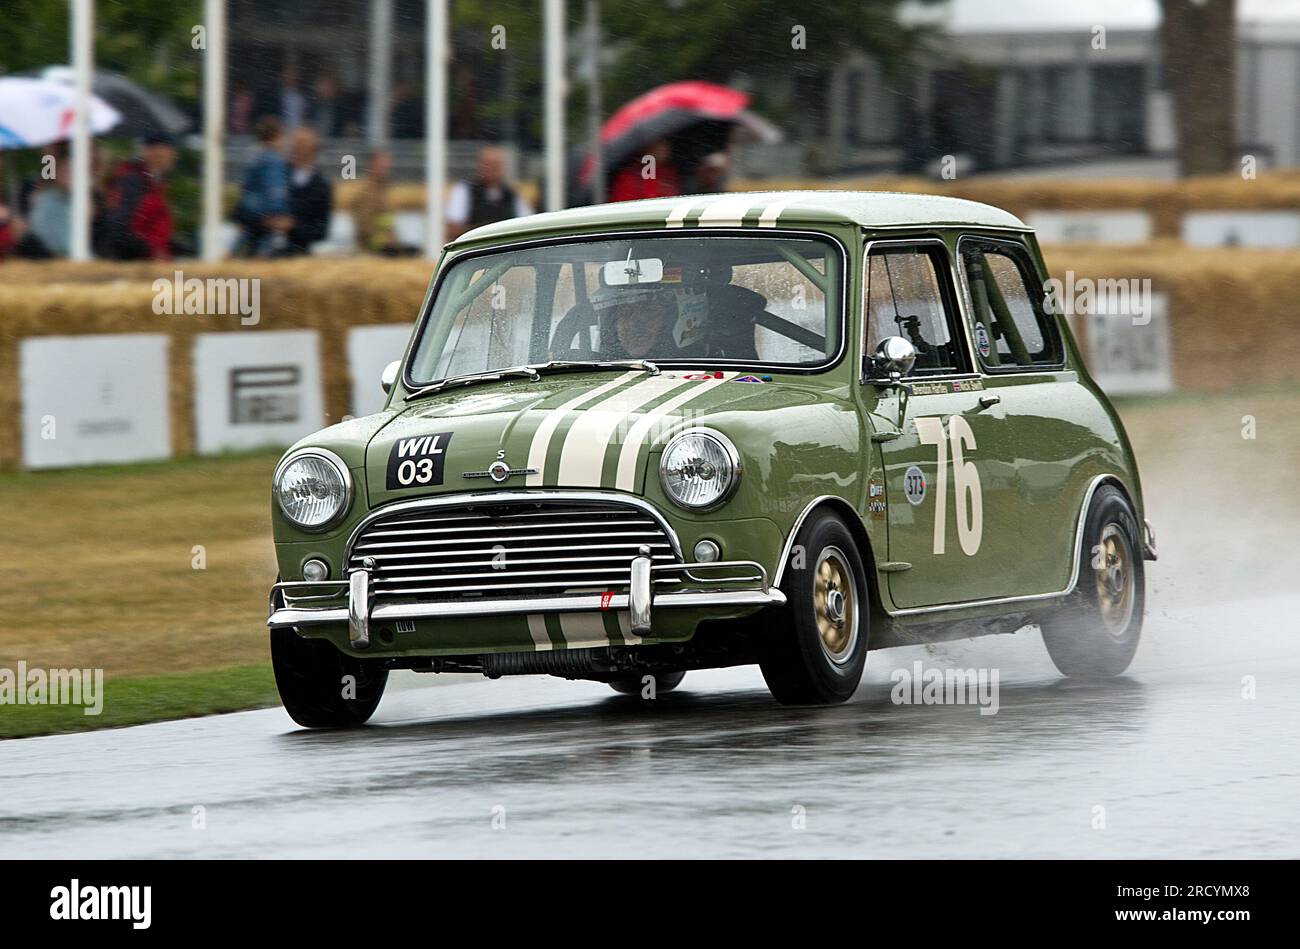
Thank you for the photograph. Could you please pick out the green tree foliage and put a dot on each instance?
(720, 41)
(647, 43)
(149, 41)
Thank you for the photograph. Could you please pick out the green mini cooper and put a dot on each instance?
(632, 440)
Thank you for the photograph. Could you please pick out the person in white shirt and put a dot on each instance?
(485, 199)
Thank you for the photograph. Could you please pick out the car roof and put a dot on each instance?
(868, 209)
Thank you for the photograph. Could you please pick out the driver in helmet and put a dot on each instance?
(639, 324)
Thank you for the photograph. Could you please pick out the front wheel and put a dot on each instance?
(320, 686)
(1096, 632)
(816, 656)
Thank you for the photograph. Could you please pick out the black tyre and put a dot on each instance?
(1096, 632)
(817, 649)
(632, 685)
(310, 674)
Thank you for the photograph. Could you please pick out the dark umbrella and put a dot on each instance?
(143, 112)
(697, 118)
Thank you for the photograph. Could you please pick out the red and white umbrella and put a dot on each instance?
(35, 113)
(697, 117)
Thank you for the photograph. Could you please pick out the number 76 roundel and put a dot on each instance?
(965, 479)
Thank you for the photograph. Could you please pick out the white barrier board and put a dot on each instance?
(370, 349)
(1242, 228)
(1129, 355)
(1091, 227)
(256, 389)
(90, 400)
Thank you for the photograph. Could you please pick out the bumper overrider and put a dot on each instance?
(725, 585)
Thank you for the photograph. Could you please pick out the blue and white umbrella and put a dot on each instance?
(35, 113)
(143, 112)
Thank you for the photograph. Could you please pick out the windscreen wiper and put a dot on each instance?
(581, 365)
(528, 372)
(534, 372)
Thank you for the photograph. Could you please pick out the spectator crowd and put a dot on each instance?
(132, 215)
(285, 202)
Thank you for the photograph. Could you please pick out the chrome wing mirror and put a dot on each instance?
(893, 360)
(389, 375)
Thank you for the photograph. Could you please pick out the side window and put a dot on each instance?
(1012, 329)
(907, 296)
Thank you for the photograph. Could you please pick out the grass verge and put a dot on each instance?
(140, 699)
(157, 573)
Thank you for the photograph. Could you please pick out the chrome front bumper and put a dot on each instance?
(640, 601)
(1148, 542)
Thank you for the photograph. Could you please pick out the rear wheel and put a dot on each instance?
(320, 686)
(816, 656)
(1096, 633)
(634, 684)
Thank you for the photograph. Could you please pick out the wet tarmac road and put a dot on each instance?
(1182, 763)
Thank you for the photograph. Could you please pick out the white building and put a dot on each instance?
(1012, 98)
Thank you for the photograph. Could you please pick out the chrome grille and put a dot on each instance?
(519, 548)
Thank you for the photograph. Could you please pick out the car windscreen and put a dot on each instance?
(689, 300)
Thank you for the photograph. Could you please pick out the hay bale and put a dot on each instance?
(1235, 312)
(60, 299)
(1165, 201)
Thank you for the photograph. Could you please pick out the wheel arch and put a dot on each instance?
(1146, 538)
(860, 536)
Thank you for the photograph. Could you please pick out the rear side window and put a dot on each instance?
(1012, 327)
(908, 296)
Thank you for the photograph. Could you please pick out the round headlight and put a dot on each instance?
(699, 469)
(313, 488)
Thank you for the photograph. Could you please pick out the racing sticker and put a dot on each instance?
(876, 503)
(417, 462)
(692, 316)
(914, 485)
(982, 340)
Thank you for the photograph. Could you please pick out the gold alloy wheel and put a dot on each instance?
(1113, 569)
(835, 605)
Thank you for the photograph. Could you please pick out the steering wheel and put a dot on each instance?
(572, 339)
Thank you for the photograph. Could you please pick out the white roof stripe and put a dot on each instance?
(677, 216)
(869, 209)
(773, 211)
(726, 212)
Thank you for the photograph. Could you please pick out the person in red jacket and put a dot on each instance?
(137, 220)
(639, 178)
(11, 231)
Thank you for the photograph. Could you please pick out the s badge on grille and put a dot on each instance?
(499, 471)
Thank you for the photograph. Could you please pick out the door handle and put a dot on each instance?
(988, 401)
